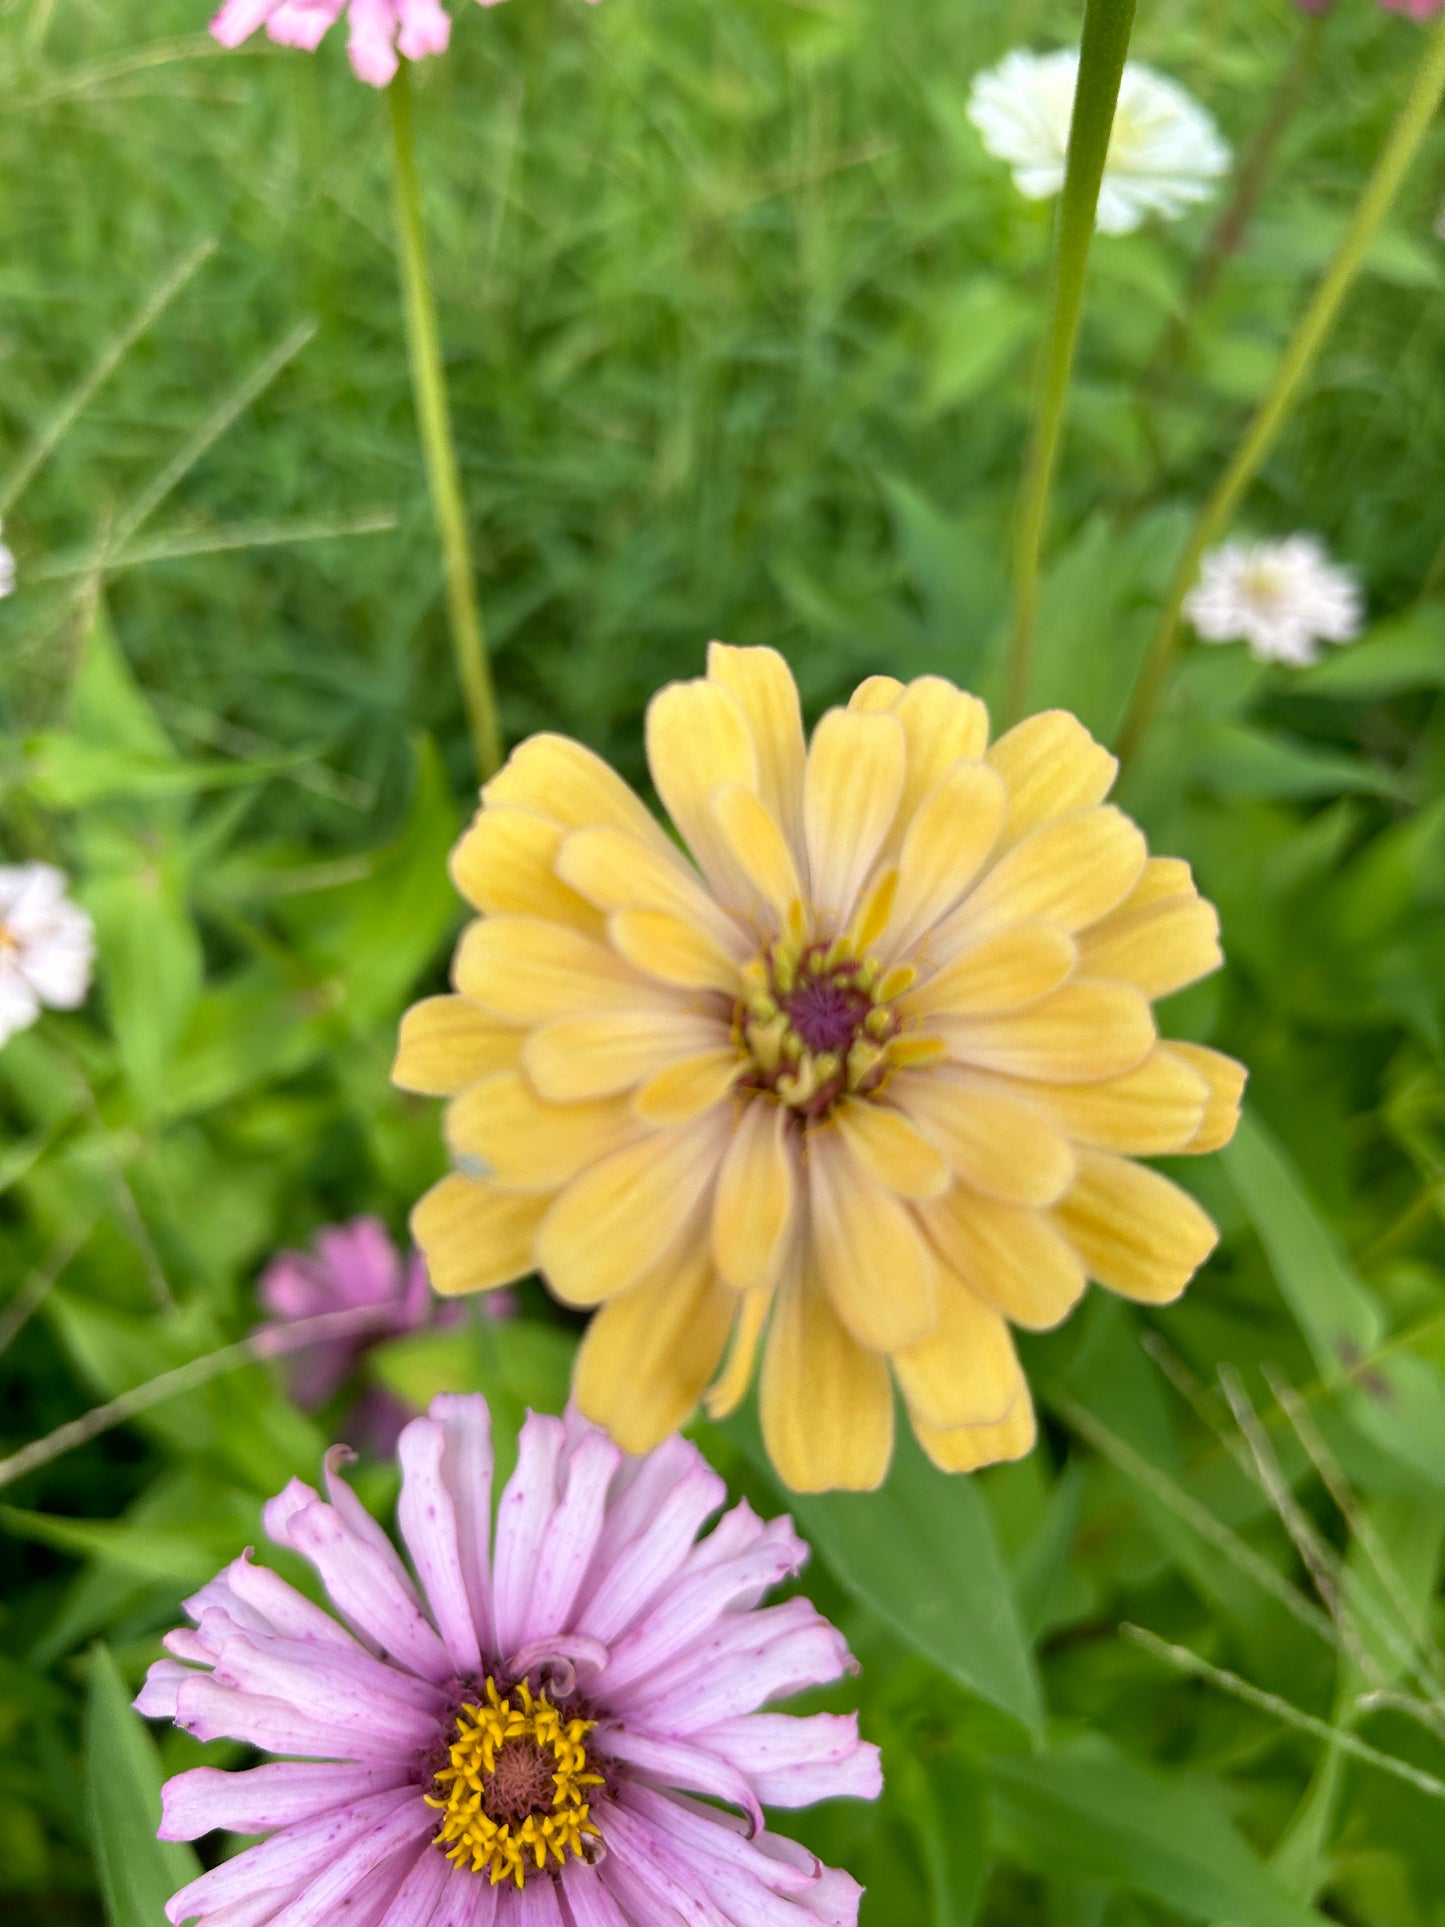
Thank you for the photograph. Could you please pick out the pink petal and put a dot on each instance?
(621, 1589)
(523, 1515)
(214, 1712)
(535, 1906)
(655, 1886)
(295, 1854)
(370, 48)
(698, 1600)
(425, 29)
(369, 1588)
(749, 1659)
(428, 1522)
(385, 1836)
(416, 1899)
(693, 1825)
(279, 1608)
(341, 1695)
(239, 19)
(793, 1761)
(262, 1798)
(572, 1535)
(467, 1467)
(587, 1899)
(836, 1897)
(466, 1901)
(157, 1698)
(698, 1851)
(676, 1763)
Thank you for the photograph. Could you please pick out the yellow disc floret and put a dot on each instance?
(514, 1791)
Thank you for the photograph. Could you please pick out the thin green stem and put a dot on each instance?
(429, 387)
(1107, 26)
(1400, 149)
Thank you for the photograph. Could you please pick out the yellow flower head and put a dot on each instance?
(858, 1085)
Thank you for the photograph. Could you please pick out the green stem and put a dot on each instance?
(1107, 26)
(429, 387)
(1400, 149)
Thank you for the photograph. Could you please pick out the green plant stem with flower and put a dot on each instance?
(1103, 48)
(1401, 146)
(433, 414)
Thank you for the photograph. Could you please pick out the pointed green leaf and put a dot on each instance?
(137, 1873)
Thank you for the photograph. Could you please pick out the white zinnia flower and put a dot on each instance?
(47, 944)
(7, 569)
(1164, 152)
(1282, 598)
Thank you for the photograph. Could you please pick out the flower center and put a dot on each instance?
(817, 1020)
(514, 1791)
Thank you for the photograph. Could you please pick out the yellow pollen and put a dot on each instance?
(514, 1792)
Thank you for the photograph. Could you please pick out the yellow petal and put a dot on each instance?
(1163, 876)
(850, 794)
(648, 1353)
(940, 724)
(947, 843)
(554, 777)
(526, 970)
(756, 1197)
(623, 1216)
(475, 1236)
(875, 695)
(758, 850)
(529, 1144)
(689, 1087)
(1156, 1107)
(698, 739)
(1225, 1080)
(971, 1447)
(1003, 970)
(1052, 766)
(966, 1371)
(991, 1136)
(579, 1057)
(615, 872)
(1014, 1259)
(1080, 1032)
(673, 951)
(1071, 870)
(727, 1394)
(503, 866)
(1138, 1234)
(763, 684)
(886, 1143)
(826, 1404)
(1160, 948)
(869, 1252)
(446, 1044)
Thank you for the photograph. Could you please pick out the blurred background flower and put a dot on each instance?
(380, 29)
(47, 945)
(1165, 152)
(1282, 598)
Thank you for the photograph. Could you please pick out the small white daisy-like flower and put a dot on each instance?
(7, 568)
(1282, 598)
(47, 946)
(1165, 151)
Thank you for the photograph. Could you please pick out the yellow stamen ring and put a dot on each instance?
(513, 1794)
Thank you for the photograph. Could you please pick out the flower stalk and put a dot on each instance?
(1105, 43)
(1401, 146)
(428, 378)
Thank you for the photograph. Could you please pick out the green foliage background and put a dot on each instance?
(740, 323)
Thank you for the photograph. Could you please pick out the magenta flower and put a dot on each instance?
(380, 29)
(1417, 9)
(558, 1727)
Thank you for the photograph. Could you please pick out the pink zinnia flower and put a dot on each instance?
(380, 29)
(555, 1729)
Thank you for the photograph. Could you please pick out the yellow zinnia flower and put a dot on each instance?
(859, 1084)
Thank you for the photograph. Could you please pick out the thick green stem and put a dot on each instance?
(1107, 26)
(1400, 149)
(429, 387)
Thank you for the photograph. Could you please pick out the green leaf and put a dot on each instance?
(1406, 653)
(107, 709)
(979, 332)
(922, 1554)
(137, 1873)
(1330, 1305)
(1089, 1812)
(151, 968)
(1232, 759)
